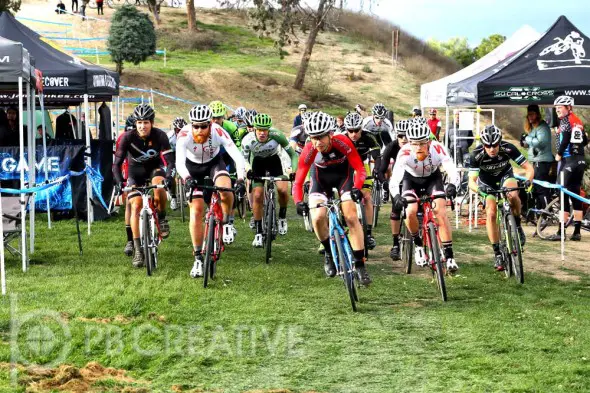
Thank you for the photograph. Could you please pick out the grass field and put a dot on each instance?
(285, 326)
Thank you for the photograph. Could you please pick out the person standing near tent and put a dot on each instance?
(434, 123)
(65, 124)
(538, 142)
(570, 157)
(9, 132)
(75, 3)
(99, 4)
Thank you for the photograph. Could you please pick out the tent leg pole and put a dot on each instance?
(23, 212)
(2, 267)
(89, 211)
(45, 163)
(31, 131)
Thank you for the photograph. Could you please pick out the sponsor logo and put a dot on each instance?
(10, 165)
(104, 81)
(524, 93)
(5, 59)
(573, 42)
(454, 94)
(56, 81)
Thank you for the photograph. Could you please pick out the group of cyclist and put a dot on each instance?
(324, 154)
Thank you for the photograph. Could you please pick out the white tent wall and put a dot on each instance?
(434, 94)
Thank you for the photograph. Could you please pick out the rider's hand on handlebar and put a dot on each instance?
(168, 182)
(451, 191)
(119, 188)
(528, 185)
(249, 175)
(190, 183)
(356, 195)
(302, 208)
(240, 187)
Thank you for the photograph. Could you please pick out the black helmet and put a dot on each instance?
(144, 112)
(491, 135)
(130, 123)
(178, 123)
(416, 111)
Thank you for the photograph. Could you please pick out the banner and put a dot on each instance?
(61, 159)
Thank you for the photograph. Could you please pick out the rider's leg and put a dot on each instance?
(445, 231)
(513, 199)
(160, 197)
(257, 206)
(283, 193)
(197, 212)
(368, 197)
(319, 221)
(491, 224)
(355, 234)
(227, 198)
(127, 218)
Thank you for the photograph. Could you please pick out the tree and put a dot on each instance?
(154, 7)
(488, 44)
(132, 37)
(10, 5)
(190, 11)
(456, 48)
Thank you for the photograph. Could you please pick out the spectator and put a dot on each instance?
(9, 133)
(416, 112)
(83, 8)
(434, 123)
(40, 135)
(297, 121)
(340, 124)
(60, 8)
(464, 142)
(538, 142)
(75, 3)
(3, 119)
(65, 126)
(99, 4)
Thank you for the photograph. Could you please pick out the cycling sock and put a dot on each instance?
(258, 226)
(326, 244)
(198, 250)
(369, 230)
(162, 215)
(517, 219)
(282, 212)
(395, 240)
(129, 233)
(359, 257)
(496, 247)
(417, 239)
(577, 227)
(448, 249)
(230, 219)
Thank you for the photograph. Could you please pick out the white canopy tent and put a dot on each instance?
(434, 94)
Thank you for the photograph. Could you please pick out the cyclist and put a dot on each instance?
(417, 169)
(434, 123)
(390, 154)
(177, 124)
(198, 155)
(147, 150)
(490, 169)
(128, 250)
(238, 117)
(298, 120)
(570, 154)
(334, 162)
(368, 148)
(298, 137)
(262, 148)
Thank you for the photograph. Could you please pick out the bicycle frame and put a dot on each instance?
(428, 217)
(335, 224)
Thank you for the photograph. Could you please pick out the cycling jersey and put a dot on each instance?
(298, 136)
(172, 139)
(340, 157)
(252, 149)
(389, 153)
(149, 153)
(384, 132)
(367, 146)
(571, 136)
(494, 167)
(406, 162)
(202, 153)
(435, 126)
(232, 130)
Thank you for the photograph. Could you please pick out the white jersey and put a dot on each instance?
(406, 161)
(383, 132)
(172, 139)
(202, 153)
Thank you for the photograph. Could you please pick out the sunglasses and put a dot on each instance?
(491, 146)
(354, 130)
(378, 117)
(201, 126)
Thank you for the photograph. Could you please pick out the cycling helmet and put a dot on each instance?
(564, 100)
(491, 135)
(240, 112)
(262, 120)
(401, 127)
(416, 111)
(318, 124)
(379, 110)
(419, 120)
(418, 132)
(178, 123)
(200, 114)
(130, 123)
(249, 117)
(217, 108)
(353, 121)
(302, 107)
(432, 111)
(144, 112)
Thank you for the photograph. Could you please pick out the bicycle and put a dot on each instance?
(149, 226)
(341, 250)
(548, 223)
(306, 217)
(270, 224)
(213, 241)
(377, 199)
(510, 246)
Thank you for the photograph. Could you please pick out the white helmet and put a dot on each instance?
(418, 132)
(318, 124)
(240, 112)
(402, 127)
(379, 110)
(302, 107)
(353, 121)
(200, 114)
(564, 100)
(491, 135)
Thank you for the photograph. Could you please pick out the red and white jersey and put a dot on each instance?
(406, 161)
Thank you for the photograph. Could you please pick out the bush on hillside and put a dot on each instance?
(319, 79)
(367, 69)
(189, 41)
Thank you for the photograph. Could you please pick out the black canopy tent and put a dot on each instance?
(555, 65)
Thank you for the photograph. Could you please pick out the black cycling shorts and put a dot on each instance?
(141, 175)
(489, 183)
(415, 187)
(212, 169)
(323, 180)
(573, 173)
(267, 166)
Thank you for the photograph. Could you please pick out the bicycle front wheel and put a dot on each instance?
(269, 224)
(345, 266)
(146, 241)
(515, 248)
(208, 248)
(407, 247)
(438, 266)
(363, 221)
(376, 202)
(548, 221)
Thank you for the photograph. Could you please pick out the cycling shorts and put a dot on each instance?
(323, 180)
(368, 184)
(489, 183)
(212, 169)
(266, 166)
(141, 175)
(415, 187)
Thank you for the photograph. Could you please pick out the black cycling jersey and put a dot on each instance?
(367, 146)
(389, 153)
(497, 166)
(146, 153)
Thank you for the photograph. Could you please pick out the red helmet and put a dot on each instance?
(432, 111)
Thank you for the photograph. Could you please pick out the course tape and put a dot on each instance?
(160, 94)
(75, 39)
(44, 21)
(556, 186)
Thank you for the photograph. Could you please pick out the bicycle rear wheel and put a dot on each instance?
(146, 241)
(208, 248)
(504, 249)
(181, 196)
(363, 221)
(268, 225)
(436, 255)
(376, 202)
(548, 221)
(515, 249)
(407, 247)
(345, 266)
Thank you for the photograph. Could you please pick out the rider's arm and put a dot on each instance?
(234, 153)
(473, 173)
(374, 152)
(120, 155)
(450, 168)
(397, 174)
(167, 154)
(529, 170)
(306, 160)
(181, 142)
(282, 140)
(566, 135)
(390, 131)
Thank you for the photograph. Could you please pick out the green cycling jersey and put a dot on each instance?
(252, 148)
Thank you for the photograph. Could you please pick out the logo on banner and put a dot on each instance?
(10, 165)
(455, 93)
(573, 43)
(524, 93)
(104, 81)
(5, 59)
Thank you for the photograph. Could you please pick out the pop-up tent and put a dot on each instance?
(555, 65)
(434, 94)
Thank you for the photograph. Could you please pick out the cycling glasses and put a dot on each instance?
(353, 130)
(378, 117)
(201, 126)
(491, 146)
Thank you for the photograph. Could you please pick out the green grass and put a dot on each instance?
(285, 325)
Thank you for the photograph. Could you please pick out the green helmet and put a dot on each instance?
(262, 120)
(217, 108)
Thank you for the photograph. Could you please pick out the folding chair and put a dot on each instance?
(11, 222)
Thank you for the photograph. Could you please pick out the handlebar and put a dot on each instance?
(504, 190)
(143, 189)
(270, 178)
